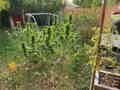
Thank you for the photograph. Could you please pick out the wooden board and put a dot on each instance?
(109, 79)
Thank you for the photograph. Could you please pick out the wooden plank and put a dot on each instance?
(111, 73)
(109, 79)
(103, 87)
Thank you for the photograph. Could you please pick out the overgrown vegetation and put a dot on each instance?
(52, 58)
(57, 57)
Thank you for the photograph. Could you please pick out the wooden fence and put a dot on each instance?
(90, 11)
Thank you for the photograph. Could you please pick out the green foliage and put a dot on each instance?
(83, 3)
(86, 33)
(51, 57)
(78, 69)
(4, 4)
(112, 2)
(17, 6)
(4, 23)
(93, 3)
(96, 3)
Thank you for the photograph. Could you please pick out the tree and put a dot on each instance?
(87, 3)
(97, 3)
(42, 5)
(83, 3)
(17, 6)
(4, 4)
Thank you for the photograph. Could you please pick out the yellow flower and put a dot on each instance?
(12, 66)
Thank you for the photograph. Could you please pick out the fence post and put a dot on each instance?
(97, 60)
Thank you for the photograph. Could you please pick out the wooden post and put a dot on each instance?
(97, 60)
(23, 17)
(11, 22)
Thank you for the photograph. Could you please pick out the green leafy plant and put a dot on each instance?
(53, 56)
